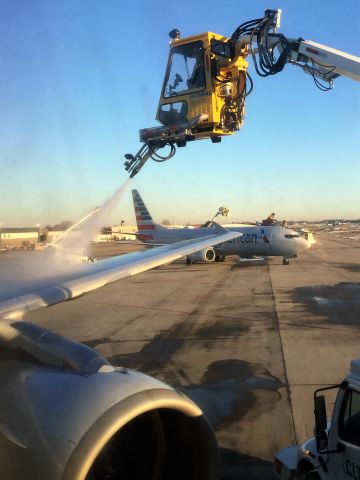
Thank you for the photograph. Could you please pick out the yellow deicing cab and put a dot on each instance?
(204, 86)
(203, 96)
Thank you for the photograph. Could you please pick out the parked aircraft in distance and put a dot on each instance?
(256, 240)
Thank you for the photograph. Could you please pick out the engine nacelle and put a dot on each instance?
(67, 414)
(205, 255)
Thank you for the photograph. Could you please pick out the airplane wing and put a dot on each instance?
(66, 413)
(84, 278)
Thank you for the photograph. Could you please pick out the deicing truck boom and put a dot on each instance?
(206, 82)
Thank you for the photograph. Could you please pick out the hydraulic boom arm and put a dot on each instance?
(320, 61)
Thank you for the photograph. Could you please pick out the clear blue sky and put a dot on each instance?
(80, 77)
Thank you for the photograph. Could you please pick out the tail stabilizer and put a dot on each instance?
(144, 220)
(146, 226)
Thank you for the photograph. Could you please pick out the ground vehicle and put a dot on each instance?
(334, 452)
(206, 82)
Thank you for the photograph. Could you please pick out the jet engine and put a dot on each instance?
(67, 414)
(205, 255)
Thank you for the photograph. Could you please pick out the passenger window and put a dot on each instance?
(349, 422)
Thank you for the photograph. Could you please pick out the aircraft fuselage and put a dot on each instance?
(256, 240)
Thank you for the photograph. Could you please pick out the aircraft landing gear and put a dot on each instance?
(220, 258)
(286, 261)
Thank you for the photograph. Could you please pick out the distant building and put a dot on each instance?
(24, 237)
(103, 238)
(124, 232)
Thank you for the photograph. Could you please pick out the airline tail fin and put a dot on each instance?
(145, 224)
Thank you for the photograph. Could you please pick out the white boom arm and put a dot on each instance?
(271, 51)
(329, 61)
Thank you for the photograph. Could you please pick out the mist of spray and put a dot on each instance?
(92, 226)
(22, 272)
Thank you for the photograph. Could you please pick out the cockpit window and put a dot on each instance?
(186, 70)
(292, 235)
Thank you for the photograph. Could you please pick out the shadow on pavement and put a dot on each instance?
(351, 267)
(238, 466)
(340, 303)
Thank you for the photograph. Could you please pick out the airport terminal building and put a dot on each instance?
(23, 237)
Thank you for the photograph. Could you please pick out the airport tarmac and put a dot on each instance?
(249, 344)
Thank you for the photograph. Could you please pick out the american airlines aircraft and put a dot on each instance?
(256, 240)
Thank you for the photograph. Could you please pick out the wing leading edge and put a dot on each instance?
(91, 276)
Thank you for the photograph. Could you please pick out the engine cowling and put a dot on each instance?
(67, 414)
(205, 255)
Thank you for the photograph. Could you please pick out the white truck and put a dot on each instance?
(334, 452)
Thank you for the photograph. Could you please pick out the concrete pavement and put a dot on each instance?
(248, 344)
